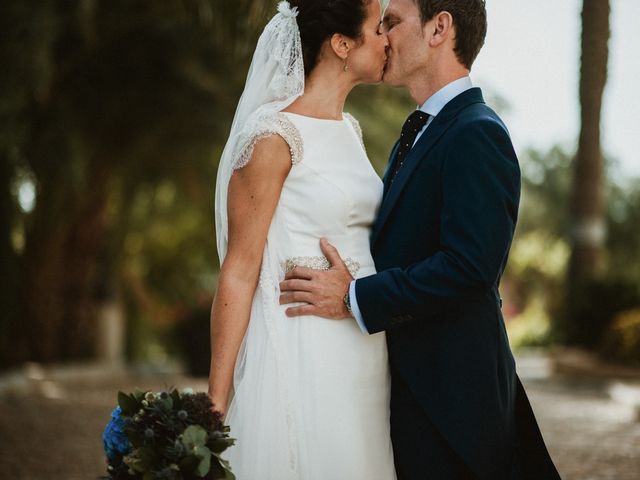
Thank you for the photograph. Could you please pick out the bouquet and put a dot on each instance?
(168, 435)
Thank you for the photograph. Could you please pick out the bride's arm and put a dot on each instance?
(254, 191)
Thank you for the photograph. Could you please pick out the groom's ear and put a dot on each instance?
(440, 29)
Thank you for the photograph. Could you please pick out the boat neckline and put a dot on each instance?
(317, 118)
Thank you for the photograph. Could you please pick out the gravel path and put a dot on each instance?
(52, 430)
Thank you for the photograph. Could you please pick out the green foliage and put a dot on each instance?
(116, 111)
(536, 274)
(596, 304)
(622, 339)
(532, 327)
(194, 440)
(623, 240)
(173, 435)
(128, 403)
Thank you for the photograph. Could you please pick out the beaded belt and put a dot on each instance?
(319, 263)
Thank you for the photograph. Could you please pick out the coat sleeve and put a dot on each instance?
(480, 197)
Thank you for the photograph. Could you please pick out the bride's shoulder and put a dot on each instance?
(268, 130)
(355, 124)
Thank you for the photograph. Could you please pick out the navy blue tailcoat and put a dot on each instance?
(440, 245)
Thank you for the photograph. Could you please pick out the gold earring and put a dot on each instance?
(346, 67)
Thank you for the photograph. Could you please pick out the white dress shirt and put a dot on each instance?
(434, 104)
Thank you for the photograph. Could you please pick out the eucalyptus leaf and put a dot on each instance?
(194, 436)
(204, 454)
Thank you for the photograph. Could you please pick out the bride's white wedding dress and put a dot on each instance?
(311, 397)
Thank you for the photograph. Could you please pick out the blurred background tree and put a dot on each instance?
(113, 116)
(112, 113)
(588, 233)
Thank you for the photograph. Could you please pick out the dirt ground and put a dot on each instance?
(53, 430)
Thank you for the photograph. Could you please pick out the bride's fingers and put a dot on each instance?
(300, 272)
(295, 285)
(331, 253)
(295, 297)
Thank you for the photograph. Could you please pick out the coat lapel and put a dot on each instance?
(426, 142)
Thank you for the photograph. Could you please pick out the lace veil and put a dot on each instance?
(275, 80)
(262, 381)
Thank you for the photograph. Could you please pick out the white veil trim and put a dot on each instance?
(275, 80)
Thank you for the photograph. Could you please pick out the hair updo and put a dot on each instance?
(319, 20)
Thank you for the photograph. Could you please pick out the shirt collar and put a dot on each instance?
(436, 102)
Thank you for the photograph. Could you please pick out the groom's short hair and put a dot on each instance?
(469, 20)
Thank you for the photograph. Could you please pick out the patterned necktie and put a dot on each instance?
(414, 124)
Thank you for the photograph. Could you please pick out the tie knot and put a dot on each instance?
(416, 122)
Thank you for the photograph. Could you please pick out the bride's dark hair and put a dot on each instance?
(319, 20)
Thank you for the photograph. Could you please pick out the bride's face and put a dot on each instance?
(368, 58)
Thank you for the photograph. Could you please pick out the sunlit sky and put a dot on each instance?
(531, 59)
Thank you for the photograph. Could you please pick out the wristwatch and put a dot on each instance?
(347, 302)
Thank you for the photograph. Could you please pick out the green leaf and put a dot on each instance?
(220, 444)
(229, 475)
(226, 467)
(127, 403)
(138, 394)
(194, 436)
(204, 454)
(167, 403)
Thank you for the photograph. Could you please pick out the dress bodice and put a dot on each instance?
(332, 191)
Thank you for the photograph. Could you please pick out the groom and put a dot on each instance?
(440, 244)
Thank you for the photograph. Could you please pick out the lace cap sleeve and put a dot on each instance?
(356, 126)
(263, 127)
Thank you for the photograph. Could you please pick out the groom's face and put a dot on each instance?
(408, 47)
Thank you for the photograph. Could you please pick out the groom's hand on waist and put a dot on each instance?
(322, 291)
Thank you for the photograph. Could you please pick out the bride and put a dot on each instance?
(306, 399)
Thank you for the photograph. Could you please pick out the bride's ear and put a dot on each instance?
(341, 45)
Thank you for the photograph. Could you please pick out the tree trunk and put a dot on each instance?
(59, 285)
(8, 261)
(588, 232)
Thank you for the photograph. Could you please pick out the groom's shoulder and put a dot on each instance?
(479, 117)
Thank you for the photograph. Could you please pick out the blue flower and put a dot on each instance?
(114, 437)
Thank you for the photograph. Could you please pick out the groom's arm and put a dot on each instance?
(480, 196)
